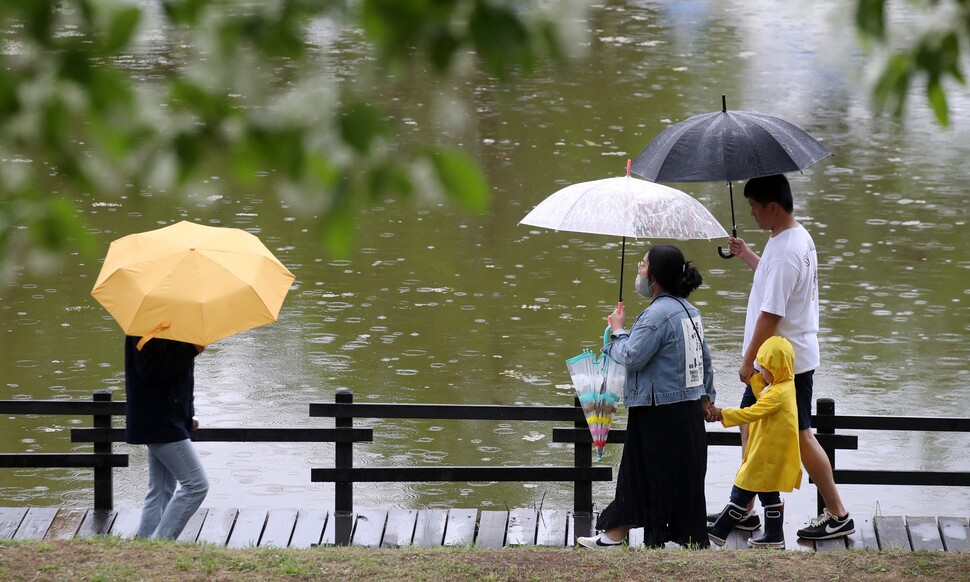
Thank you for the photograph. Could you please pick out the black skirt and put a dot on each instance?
(660, 483)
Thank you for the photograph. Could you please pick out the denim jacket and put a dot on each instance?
(660, 367)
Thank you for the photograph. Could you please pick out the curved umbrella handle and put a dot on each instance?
(734, 233)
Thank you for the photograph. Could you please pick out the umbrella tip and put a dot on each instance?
(629, 162)
(723, 103)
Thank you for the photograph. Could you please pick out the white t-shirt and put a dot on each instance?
(786, 284)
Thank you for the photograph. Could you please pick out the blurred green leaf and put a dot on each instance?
(100, 124)
(9, 104)
(184, 11)
(212, 108)
(320, 169)
(443, 45)
(76, 65)
(893, 83)
(278, 37)
(499, 38)
(38, 18)
(936, 53)
(109, 89)
(461, 178)
(870, 18)
(937, 99)
(336, 225)
(59, 224)
(389, 179)
(124, 25)
(399, 27)
(188, 150)
(360, 125)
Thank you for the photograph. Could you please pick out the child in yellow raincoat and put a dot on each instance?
(772, 462)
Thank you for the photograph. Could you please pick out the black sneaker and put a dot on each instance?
(827, 526)
(749, 522)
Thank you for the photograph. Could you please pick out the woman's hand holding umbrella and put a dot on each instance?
(617, 319)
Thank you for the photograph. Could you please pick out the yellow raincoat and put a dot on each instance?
(772, 461)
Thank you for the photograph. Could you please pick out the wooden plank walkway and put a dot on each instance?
(304, 528)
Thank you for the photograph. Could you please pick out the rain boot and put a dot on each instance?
(729, 517)
(774, 536)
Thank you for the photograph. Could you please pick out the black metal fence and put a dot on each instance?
(344, 410)
(582, 473)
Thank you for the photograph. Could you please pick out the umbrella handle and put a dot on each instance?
(734, 223)
(720, 251)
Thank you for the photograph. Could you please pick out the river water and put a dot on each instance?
(437, 305)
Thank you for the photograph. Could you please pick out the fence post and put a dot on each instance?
(103, 494)
(583, 457)
(825, 407)
(343, 459)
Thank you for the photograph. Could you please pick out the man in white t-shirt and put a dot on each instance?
(784, 301)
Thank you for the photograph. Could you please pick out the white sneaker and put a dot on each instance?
(598, 542)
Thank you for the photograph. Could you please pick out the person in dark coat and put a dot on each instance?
(159, 413)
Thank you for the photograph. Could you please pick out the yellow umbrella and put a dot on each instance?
(191, 283)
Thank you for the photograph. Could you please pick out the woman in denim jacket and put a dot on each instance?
(669, 392)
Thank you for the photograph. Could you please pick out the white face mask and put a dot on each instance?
(644, 286)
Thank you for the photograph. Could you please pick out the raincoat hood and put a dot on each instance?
(778, 357)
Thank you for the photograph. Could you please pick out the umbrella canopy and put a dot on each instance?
(727, 146)
(191, 283)
(625, 207)
(598, 382)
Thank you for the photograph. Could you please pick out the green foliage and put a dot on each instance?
(460, 176)
(361, 125)
(932, 58)
(870, 18)
(237, 94)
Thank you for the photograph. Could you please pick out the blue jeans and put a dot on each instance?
(166, 511)
(742, 497)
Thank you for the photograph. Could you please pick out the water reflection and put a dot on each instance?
(439, 306)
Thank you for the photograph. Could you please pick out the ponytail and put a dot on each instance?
(672, 271)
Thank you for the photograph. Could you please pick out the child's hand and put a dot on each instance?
(711, 413)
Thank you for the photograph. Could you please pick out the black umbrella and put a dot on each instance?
(727, 145)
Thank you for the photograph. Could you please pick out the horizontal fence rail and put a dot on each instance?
(63, 407)
(101, 435)
(714, 438)
(344, 411)
(447, 411)
(459, 473)
(924, 478)
(826, 421)
(62, 460)
(892, 423)
(241, 435)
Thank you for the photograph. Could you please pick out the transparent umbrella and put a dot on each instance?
(598, 382)
(625, 207)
